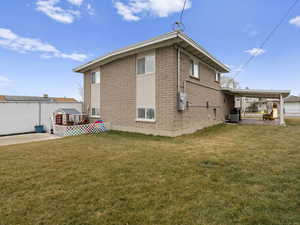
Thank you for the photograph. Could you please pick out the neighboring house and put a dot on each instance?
(292, 106)
(256, 105)
(168, 85)
(19, 114)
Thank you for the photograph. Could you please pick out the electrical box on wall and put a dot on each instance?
(181, 101)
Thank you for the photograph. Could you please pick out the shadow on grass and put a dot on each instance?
(292, 121)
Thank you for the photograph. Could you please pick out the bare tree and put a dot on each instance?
(80, 91)
(229, 82)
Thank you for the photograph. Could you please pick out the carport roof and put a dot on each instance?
(257, 93)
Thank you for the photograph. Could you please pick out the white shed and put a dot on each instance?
(292, 106)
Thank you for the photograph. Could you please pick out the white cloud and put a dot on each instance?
(76, 2)
(255, 51)
(295, 21)
(126, 11)
(50, 8)
(133, 10)
(11, 41)
(4, 81)
(90, 10)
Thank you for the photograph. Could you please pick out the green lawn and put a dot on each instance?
(224, 175)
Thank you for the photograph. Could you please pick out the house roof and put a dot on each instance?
(292, 98)
(168, 39)
(257, 93)
(11, 98)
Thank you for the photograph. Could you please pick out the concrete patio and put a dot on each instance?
(260, 121)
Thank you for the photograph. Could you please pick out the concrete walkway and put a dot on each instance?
(25, 138)
(259, 121)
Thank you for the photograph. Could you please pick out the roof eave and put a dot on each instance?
(176, 36)
(260, 93)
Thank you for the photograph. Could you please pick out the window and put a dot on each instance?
(146, 114)
(141, 113)
(150, 114)
(194, 68)
(146, 65)
(95, 112)
(218, 77)
(215, 114)
(95, 77)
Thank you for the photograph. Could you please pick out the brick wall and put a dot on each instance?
(199, 92)
(118, 96)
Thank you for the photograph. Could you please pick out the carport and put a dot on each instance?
(256, 93)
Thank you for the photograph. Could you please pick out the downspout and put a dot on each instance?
(178, 70)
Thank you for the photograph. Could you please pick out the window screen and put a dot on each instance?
(194, 68)
(141, 113)
(95, 77)
(215, 114)
(218, 76)
(95, 111)
(150, 114)
(150, 64)
(141, 67)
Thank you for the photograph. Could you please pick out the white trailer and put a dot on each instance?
(21, 117)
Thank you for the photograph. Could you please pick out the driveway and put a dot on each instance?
(25, 138)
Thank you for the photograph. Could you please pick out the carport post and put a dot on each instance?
(282, 122)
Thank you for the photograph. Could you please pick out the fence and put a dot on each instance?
(91, 128)
(21, 117)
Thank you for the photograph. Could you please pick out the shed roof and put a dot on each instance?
(70, 111)
(292, 98)
(168, 39)
(257, 93)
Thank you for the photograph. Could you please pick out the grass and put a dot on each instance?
(223, 175)
(293, 121)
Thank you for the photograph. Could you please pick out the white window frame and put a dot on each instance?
(194, 63)
(94, 77)
(95, 115)
(218, 77)
(145, 119)
(146, 57)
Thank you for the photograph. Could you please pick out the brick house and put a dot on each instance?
(168, 85)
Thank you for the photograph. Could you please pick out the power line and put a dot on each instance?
(267, 38)
(182, 11)
(179, 24)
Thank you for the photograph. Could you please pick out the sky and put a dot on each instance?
(41, 41)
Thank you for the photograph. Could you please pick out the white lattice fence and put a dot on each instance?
(91, 128)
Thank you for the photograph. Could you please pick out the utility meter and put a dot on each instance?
(182, 101)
